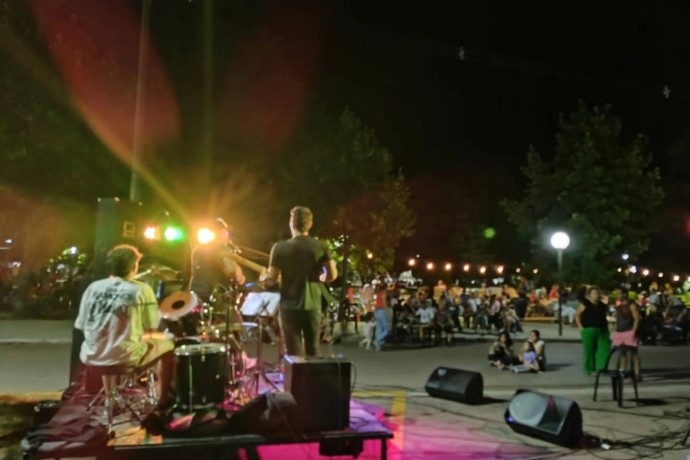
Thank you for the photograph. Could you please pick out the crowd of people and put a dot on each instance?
(397, 314)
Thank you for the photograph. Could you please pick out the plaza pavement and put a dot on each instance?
(34, 356)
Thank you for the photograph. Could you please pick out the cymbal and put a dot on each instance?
(160, 272)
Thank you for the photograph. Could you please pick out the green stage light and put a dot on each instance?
(173, 234)
(489, 233)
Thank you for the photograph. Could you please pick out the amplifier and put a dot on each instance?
(321, 388)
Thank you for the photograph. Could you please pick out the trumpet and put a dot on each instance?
(232, 252)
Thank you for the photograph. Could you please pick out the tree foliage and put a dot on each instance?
(600, 190)
(339, 170)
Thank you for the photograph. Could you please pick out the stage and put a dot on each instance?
(130, 441)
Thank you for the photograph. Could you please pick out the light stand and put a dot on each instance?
(560, 241)
(560, 292)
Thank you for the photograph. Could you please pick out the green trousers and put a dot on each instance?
(596, 345)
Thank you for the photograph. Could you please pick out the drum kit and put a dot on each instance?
(212, 366)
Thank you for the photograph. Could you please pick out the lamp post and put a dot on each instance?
(560, 241)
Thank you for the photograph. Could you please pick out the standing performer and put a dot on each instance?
(119, 317)
(301, 264)
(213, 265)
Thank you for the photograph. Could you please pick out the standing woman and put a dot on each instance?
(626, 335)
(590, 318)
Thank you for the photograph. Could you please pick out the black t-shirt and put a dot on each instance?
(300, 261)
(208, 270)
(594, 315)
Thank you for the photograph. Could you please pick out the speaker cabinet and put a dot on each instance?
(321, 388)
(455, 385)
(551, 418)
(117, 222)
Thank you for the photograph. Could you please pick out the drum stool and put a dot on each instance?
(119, 390)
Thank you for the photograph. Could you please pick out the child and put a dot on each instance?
(528, 358)
(368, 332)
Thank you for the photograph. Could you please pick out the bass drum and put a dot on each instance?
(181, 314)
(201, 375)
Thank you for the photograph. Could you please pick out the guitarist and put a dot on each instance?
(301, 265)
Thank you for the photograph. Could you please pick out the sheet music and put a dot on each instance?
(265, 303)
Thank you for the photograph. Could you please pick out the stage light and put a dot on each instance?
(466, 267)
(661, 274)
(173, 234)
(517, 270)
(619, 269)
(205, 235)
(370, 255)
(150, 233)
(535, 271)
(633, 269)
(676, 278)
(482, 270)
(499, 269)
(448, 267)
(645, 272)
(412, 262)
(625, 256)
(430, 266)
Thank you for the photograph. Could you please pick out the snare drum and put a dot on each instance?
(201, 375)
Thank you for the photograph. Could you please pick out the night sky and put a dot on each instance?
(457, 91)
(524, 63)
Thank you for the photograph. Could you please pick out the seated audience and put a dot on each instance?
(501, 352)
(528, 360)
(539, 348)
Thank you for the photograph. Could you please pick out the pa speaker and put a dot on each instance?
(455, 385)
(321, 388)
(551, 418)
(117, 222)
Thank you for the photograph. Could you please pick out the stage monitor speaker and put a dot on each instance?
(456, 385)
(269, 413)
(321, 388)
(551, 418)
(117, 222)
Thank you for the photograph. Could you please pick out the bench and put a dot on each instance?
(540, 319)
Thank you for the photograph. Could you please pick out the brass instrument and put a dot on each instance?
(248, 263)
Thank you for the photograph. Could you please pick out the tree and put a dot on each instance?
(601, 191)
(339, 169)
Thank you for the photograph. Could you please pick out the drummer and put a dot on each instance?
(119, 317)
(213, 265)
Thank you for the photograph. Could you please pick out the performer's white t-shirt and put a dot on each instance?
(114, 313)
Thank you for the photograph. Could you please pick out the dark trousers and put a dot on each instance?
(298, 324)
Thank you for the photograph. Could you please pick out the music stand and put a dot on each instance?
(262, 305)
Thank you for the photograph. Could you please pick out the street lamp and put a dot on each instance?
(560, 241)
